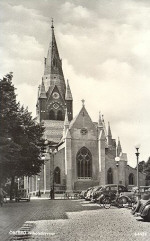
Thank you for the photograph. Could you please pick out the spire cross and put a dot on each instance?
(52, 21)
(83, 102)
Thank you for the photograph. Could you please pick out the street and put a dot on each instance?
(72, 220)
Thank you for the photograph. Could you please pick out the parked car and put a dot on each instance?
(83, 194)
(142, 207)
(132, 196)
(88, 194)
(111, 191)
(22, 194)
(95, 193)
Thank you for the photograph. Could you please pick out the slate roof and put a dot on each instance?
(53, 130)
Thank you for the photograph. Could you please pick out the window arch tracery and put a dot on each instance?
(59, 115)
(84, 163)
(52, 115)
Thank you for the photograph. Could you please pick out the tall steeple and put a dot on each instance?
(53, 73)
(53, 97)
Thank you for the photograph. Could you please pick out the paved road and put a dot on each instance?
(13, 215)
(72, 220)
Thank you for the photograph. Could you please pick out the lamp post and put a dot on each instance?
(39, 187)
(52, 154)
(137, 156)
(18, 183)
(117, 159)
(52, 151)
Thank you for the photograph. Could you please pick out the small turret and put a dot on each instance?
(109, 136)
(68, 95)
(68, 99)
(100, 123)
(42, 93)
(66, 124)
(119, 148)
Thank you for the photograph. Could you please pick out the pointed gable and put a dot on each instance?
(52, 94)
(82, 120)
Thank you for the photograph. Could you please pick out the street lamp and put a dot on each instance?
(137, 156)
(117, 159)
(52, 153)
(39, 187)
(18, 183)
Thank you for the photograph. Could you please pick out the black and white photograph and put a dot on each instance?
(75, 120)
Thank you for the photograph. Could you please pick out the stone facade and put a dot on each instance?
(86, 151)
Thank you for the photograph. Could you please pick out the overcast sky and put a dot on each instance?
(105, 51)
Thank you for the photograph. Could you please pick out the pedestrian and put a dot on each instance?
(51, 193)
(2, 194)
(39, 194)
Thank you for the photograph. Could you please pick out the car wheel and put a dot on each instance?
(122, 200)
(147, 217)
(136, 207)
(107, 202)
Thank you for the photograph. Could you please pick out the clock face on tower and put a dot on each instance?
(55, 95)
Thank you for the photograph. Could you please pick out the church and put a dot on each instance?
(80, 153)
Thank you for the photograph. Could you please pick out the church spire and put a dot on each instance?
(53, 73)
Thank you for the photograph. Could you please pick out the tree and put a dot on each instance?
(20, 137)
(147, 171)
(141, 166)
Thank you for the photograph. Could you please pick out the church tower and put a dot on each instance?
(54, 97)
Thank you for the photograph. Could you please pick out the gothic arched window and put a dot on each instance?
(52, 115)
(131, 179)
(109, 176)
(59, 115)
(84, 163)
(57, 175)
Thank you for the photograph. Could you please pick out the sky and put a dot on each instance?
(105, 51)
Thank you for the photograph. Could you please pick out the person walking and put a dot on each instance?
(2, 194)
(51, 193)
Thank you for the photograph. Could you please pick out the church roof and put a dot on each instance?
(53, 130)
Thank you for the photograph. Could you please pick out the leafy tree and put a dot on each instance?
(141, 166)
(20, 137)
(147, 171)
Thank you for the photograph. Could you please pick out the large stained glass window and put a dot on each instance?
(84, 163)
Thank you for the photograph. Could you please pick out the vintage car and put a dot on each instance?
(110, 190)
(132, 196)
(22, 194)
(142, 207)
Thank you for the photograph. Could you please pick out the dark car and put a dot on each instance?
(142, 207)
(110, 190)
